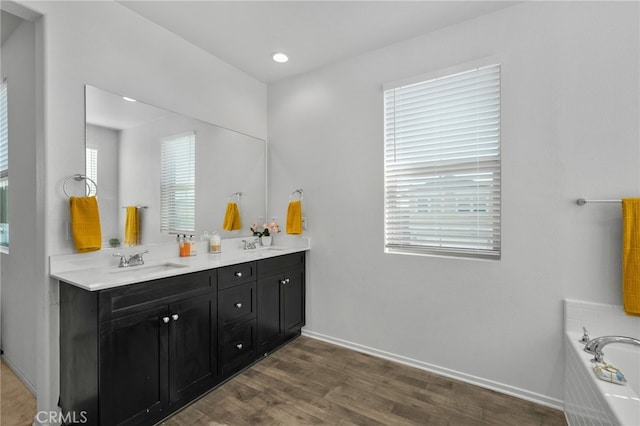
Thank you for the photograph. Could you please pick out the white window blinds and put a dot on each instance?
(178, 194)
(4, 132)
(4, 166)
(442, 165)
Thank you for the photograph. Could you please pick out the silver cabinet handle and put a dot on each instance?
(239, 346)
(238, 274)
(165, 319)
(175, 317)
(238, 305)
(285, 281)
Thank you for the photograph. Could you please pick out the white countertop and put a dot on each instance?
(99, 270)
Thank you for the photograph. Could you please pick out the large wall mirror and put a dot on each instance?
(124, 139)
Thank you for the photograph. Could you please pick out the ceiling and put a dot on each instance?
(313, 33)
(109, 110)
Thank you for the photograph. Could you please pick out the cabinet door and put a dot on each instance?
(269, 324)
(134, 376)
(293, 301)
(192, 351)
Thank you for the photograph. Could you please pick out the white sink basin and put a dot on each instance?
(147, 269)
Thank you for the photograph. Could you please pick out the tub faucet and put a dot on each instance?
(594, 346)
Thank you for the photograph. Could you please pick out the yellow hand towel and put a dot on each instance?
(631, 255)
(232, 220)
(132, 227)
(294, 217)
(85, 223)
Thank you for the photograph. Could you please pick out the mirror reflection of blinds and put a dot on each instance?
(91, 168)
(177, 193)
(442, 165)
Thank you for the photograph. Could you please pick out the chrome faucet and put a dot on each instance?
(134, 259)
(594, 346)
(250, 245)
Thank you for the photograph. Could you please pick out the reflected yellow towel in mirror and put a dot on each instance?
(631, 255)
(85, 223)
(294, 218)
(132, 227)
(232, 220)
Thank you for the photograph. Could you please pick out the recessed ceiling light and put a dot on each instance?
(280, 57)
(128, 99)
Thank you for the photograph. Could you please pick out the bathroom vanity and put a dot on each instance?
(135, 353)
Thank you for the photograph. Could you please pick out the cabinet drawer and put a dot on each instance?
(236, 302)
(230, 276)
(278, 264)
(134, 298)
(237, 344)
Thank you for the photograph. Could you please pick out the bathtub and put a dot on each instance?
(588, 400)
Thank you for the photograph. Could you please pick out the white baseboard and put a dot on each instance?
(463, 377)
(20, 376)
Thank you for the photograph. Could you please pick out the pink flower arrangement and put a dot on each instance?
(268, 229)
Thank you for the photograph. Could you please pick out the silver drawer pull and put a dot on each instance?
(165, 319)
(239, 346)
(285, 281)
(238, 274)
(175, 317)
(238, 305)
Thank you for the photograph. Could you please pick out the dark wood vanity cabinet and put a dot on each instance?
(134, 354)
(281, 300)
(236, 316)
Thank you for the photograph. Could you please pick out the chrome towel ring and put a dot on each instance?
(78, 177)
(297, 191)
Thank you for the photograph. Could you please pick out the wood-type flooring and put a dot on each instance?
(310, 382)
(17, 403)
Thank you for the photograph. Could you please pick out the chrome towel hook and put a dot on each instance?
(235, 194)
(78, 177)
(297, 191)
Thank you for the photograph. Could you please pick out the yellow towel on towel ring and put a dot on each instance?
(132, 227)
(631, 255)
(232, 221)
(85, 223)
(294, 218)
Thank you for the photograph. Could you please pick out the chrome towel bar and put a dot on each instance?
(582, 201)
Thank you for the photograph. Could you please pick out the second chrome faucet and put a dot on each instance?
(134, 260)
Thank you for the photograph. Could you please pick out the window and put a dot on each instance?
(4, 167)
(442, 165)
(91, 168)
(178, 191)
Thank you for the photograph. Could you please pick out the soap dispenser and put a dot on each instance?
(193, 249)
(185, 247)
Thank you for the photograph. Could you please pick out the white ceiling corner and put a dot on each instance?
(313, 33)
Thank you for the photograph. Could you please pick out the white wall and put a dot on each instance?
(107, 142)
(108, 46)
(569, 129)
(19, 280)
